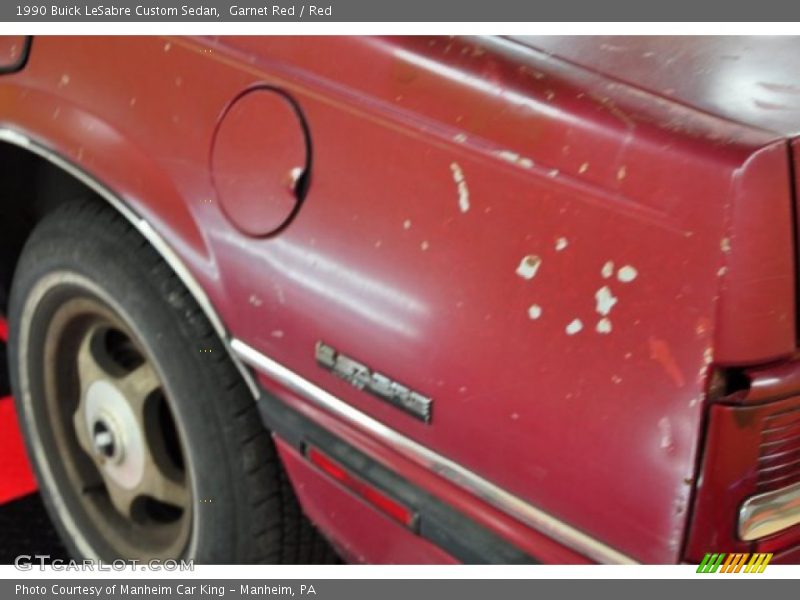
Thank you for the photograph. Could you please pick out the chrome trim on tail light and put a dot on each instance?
(769, 513)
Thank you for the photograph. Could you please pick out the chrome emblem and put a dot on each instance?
(377, 384)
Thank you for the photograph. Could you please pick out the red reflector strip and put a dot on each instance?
(3, 330)
(367, 492)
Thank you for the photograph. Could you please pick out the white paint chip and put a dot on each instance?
(277, 334)
(665, 428)
(534, 311)
(460, 138)
(407, 224)
(561, 243)
(528, 266)
(607, 270)
(514, 158)
(525, 163)
(622, 173)
(627, 274)
(424, 246)
(574, 327)
(583, 168)
(603, 326)
(461, 184)
(605, 300)
(725, 245)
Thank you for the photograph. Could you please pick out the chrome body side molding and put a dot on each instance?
(444, 467)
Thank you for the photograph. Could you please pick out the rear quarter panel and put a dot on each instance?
(391, 262)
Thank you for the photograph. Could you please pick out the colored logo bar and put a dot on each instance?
(734, 563)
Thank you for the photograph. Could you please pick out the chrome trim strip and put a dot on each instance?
(769, 513)
(453, 472)
(16, 138)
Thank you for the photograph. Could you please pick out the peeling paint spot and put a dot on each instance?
(666, 441)
(424, 246)
(378, 244)
(604, 300)
(703, 326)
(661, 353)
(583, 168)
(460, 138)
(167, 47)
(549, 94)
(528, 266)
(277, 333)
(463, 190)
(56, 112)
(603, 326)
(553, 173)
(407, 224)
(708, 356)
(627, 274)
(616, 379)
(132, 102)
(622, 172)
(574, 327)
(721, 271)
(607, 270)
(64, 81)
(561, 243)
(255, 300)
(534, 311)
(514, 416)
(725, 244)
(508, 155)
(514, 158)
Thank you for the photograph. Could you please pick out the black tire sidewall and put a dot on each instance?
(161, 317)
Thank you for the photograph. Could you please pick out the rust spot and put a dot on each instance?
(660, 352)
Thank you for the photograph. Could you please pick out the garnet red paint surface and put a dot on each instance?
(439, 165)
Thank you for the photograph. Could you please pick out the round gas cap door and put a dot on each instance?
(258, 160)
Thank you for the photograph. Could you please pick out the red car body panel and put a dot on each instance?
(438, 165)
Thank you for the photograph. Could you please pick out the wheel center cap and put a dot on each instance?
(116, 435)
(106, 441)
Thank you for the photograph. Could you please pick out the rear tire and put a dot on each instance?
(99, 327)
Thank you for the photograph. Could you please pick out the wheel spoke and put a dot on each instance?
(137, 385)
(89, 371)
(157, 484)
(121, 498)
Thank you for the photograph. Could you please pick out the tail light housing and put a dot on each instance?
(748, 493)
